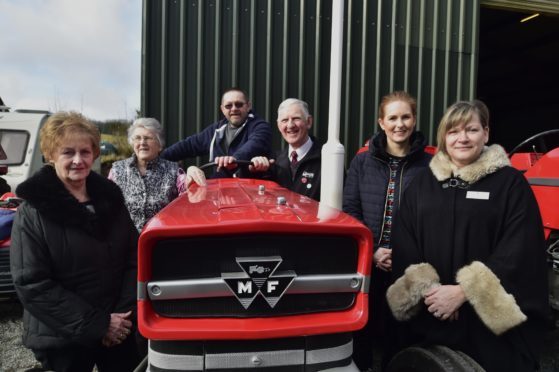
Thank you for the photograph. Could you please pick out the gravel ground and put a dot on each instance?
(14, 357)
(550, 354)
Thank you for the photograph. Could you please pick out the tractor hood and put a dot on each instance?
(232, 201)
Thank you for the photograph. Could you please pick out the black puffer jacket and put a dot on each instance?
(71, 268)
(367, 180)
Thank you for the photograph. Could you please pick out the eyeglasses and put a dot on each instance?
(139, 139)
(229, 106)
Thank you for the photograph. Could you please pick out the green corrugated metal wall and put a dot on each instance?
(274, 49)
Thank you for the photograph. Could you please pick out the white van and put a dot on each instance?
(19, 137)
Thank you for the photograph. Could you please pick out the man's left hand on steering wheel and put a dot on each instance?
(227, 162)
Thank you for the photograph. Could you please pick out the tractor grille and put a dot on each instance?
(209, 257)
(6, 283)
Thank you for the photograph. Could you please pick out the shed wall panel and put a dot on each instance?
(275, 49)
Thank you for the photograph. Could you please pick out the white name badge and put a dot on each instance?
(480, 195)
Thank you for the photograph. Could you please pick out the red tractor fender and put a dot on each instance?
(543, 177)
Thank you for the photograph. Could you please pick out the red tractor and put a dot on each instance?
(8, 205)
(243, 274)
(538, 158)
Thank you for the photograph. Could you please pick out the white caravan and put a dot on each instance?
(19, 137)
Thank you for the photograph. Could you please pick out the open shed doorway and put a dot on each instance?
(518, 73)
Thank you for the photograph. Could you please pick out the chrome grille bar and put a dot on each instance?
(216, 287)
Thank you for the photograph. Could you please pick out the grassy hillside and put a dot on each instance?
(124, 150)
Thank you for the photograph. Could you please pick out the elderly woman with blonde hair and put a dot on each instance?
(73, 256)
(148, 181)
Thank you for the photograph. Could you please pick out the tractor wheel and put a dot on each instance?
(432, 358)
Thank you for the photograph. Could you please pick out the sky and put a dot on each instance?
(77, 55)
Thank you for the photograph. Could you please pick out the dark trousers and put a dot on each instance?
(375, 334)
(119, 358)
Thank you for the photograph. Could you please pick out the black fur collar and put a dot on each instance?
(45, 192)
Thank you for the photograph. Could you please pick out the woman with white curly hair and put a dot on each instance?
(149, 182)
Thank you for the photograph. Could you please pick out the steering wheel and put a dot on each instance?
(537, 139)
(212, 164)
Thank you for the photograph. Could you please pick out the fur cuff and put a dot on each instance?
(406, 294)
(496, 308)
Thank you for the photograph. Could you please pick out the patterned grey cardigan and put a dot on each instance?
(144, 196)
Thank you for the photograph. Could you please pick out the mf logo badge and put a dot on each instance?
(259, 276)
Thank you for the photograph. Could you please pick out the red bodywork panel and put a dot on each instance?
(235, 206)
(6, 242)
(543, 176)
(524, 160)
